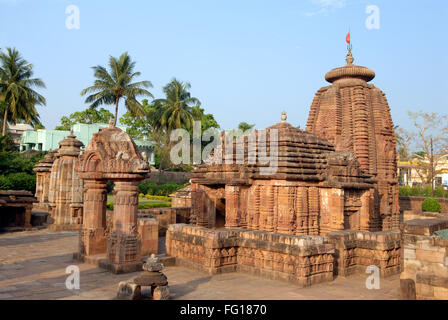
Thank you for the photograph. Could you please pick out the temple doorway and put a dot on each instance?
(220, 211)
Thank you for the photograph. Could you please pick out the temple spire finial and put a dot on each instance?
(283, 116)
(349, 58)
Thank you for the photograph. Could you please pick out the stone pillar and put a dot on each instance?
(367, 222)
(93, 237)
(266, 208)
(27, 222)
(313, 218)
(253, 207)
(39, 186)
(285, 205)
(124, 243)
(331, 210)
(301, 211)
(232, 206)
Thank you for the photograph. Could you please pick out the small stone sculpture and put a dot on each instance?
(152, 278)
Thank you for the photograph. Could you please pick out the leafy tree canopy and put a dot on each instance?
(110, 86)
(88, 116)
(244, 126)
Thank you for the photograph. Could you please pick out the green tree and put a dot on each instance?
(430, 138)
(207, 119)
(19, 99)
(176, 110)
(88, 116)
(139, 127)
(110, 86)
(244, 126)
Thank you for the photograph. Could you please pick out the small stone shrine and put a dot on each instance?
(153, 280)
(66, 187)
(15, 209)
(43, 172)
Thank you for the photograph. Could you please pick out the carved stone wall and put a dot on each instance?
(356, 250)
(425, 272)
(286, 207)
(304, 260)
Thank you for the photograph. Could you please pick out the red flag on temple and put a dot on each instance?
(348, 38)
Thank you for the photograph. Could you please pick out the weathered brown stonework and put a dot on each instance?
(65, 189)
(111, 156)
(15, 209)
(355, 116)
(43, 172)
(303, 260)
(314, 204)
(314, 190)
(425, 272)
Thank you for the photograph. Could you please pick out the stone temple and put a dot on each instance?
(354, 116)
(329, 208)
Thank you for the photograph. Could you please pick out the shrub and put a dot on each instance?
(431, 205)
(439, 192)
(160, 198)
(18, 181)
(110, 205)
(154, 205)
(151, 188)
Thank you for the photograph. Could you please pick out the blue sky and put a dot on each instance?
(246, 60)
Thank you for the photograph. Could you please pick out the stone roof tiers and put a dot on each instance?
(69, 146)
(301, 156)
(45, 164)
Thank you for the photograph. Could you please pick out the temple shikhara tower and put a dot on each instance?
(354, 115)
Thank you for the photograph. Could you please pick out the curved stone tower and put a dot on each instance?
(66, 188)
(355, 116)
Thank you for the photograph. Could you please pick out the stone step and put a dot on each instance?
(167, 260)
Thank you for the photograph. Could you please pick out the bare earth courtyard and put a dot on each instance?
(33, 265)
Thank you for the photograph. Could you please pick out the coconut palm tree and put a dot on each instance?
(177, 110)
(17, 95)
(110, 86)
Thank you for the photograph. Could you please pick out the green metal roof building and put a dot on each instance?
(44, 139)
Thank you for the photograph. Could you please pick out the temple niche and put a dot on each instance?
(355, 116)
(43, 172)
(111, 156)
(65, 187)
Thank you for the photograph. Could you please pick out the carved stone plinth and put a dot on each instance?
(123, 253)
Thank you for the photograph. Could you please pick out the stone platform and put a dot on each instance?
(302, 260)
(33, 265)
